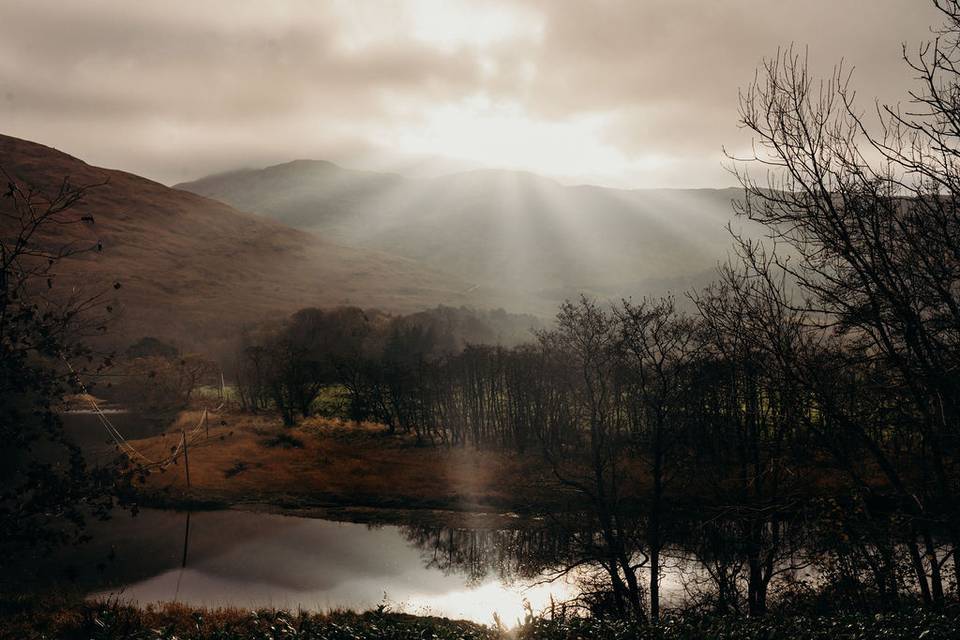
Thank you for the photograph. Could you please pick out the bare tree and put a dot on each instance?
(588, 338)
(44, 498)
(659, 346)
(868, 214)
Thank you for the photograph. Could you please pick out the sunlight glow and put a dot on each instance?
(483, 127)
(445, 25)
(504, 135)
(453, 23)
(480, 603)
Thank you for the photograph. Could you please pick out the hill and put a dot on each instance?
(193, 269)
(512, 230)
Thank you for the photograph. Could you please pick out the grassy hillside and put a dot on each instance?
(500, 228)
(193, 269)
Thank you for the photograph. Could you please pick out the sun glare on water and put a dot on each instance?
(510, 603)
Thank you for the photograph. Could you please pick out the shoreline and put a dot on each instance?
(466, 515)
(324, 466)
(332, 469)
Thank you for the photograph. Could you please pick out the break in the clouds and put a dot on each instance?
(634, 93)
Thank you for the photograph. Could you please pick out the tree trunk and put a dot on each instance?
(917, 563)
(936, 582)
(654, 584)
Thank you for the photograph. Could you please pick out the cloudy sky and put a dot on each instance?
(630, 93)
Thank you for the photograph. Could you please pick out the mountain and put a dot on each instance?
(193, 270)
(511, 230)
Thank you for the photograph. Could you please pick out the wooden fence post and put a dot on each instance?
(186, 459)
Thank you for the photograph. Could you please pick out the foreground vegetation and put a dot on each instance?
(110, 621)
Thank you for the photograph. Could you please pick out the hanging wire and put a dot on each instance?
(123, 444)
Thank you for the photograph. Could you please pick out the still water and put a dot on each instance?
(249, 560)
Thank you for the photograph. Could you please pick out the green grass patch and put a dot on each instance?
(332, 402)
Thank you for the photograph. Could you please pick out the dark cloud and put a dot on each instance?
(647, 89)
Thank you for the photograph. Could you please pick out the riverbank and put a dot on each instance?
(342, 470)
(27, 619)
(336, 469)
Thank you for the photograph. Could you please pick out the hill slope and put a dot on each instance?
(193, 269)
(499, 228)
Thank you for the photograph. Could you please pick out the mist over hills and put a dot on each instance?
(202, 259)
(512, 230)
(193, 269)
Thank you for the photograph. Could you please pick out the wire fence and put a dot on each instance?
(188, 438)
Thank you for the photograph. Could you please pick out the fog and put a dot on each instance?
(618, 93)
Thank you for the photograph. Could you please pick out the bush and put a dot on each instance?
(284, 441)
(906, 625)
(111, 621)
(34, 619)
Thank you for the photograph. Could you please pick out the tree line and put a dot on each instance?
(739, 406)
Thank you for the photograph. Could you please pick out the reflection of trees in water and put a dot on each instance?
(729, 564)
(717, 563)
(510, 554)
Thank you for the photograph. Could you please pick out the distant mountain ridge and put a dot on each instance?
(194, 269)
(512, 230)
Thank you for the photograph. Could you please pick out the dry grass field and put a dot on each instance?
(249, 459)
(360, 471)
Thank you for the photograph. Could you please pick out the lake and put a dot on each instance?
(250, 560)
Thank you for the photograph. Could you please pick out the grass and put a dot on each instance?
(194, 270)
(238, 467)
(908, 625)
(32, 619)
(112, 621)
(283, 440)
(330, 463)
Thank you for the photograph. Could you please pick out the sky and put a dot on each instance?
(625, 93)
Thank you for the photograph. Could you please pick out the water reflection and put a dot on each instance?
(316, 564)
(518, 554)
(727, 560)
(252, 560)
